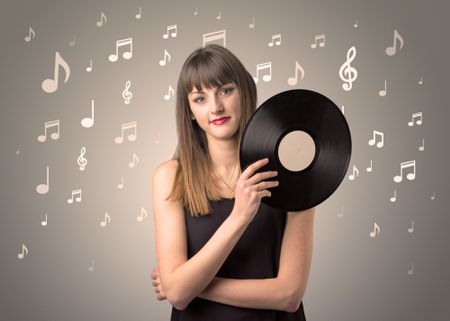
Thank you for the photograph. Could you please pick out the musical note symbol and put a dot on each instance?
(356, 24)
(219, 15)
(51, 85)
(252, 25)
(102, 20)
(321, 39)
(265, 65)
(143, 215)
(75, 192)
(348, 73)
(390, 51)
(43, 188)
(139, 14)
(81, 161)
(121, 184)
(88, 122)
(31, 35)
(134, 162)
(91, 267)
(196, 11)
(106, 221)
(382, 92)
(18, 150)
(422, 147)
(127, 54)
(352, 175)
(215, 35)
(373, 140)
(410, 176)
(89, 68)
(375, 228)
(416, 115)
(394, 198)
(432, 197)
(166, 58)
(127, 95)
(131, 137)
(411, 272)
(370, 168)
(44, 223)
(48, 125)
(173, 34)
(292, 81)
(411, 229)
(23, 253)
(171, 93)
(343, 109)
(277, 42)
(420, 81)
(72, 43)
(341, 213)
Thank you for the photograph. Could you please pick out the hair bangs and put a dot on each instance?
(209, 73)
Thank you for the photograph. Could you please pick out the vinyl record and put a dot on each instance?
(289, 112)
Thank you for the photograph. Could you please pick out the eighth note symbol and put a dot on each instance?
(31, 35)
(170, 93)
(375, 232)
(51, 85)
(292, 81)
(23, 253)
(390, 51)
(352, 176)
(143, 215)
(102, 20)
(106, 221)
(166, 58)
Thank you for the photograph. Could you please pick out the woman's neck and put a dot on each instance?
(224, 156)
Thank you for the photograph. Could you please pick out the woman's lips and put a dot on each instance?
(220, 121)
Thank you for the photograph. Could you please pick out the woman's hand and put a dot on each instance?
(160, 294)
(251, 188)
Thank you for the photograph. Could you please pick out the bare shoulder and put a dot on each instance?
(163, 181)
(165, 172)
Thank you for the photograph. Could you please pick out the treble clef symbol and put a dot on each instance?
(127, 95)
(82, 162)
(348, 73)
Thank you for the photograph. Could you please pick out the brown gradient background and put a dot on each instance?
(354, 277)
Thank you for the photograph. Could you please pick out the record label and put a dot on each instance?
(321, 137)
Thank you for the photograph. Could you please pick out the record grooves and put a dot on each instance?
(315, 114)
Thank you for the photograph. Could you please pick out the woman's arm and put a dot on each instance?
(285, 292)
(184, 279)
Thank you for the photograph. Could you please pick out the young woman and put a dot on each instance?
(223, 254)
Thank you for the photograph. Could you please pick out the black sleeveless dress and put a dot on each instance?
(255, 256)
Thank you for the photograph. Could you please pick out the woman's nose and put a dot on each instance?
(216, 106)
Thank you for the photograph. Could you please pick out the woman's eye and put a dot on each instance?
(198, 100)
(227, 90)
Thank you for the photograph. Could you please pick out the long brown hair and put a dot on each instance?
(211, 66)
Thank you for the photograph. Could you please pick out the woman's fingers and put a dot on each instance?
(248, 172)
(258, 177)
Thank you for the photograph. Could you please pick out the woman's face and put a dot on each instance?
(217, 110)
